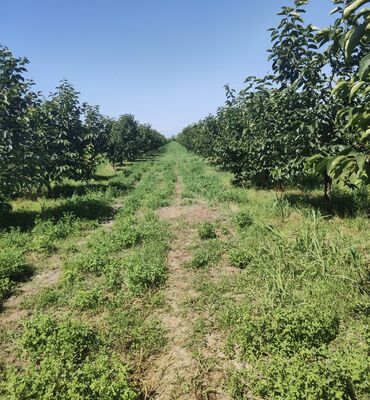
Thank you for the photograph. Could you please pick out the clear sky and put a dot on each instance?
(166, 61)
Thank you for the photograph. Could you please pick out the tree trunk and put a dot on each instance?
(48, 187)
(327, 187)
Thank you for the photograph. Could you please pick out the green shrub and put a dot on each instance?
(308, 374)
(87, 299)
(5, 288)
(206, 230)
(102, 376)
(94, 263)
(145, 269)
(127, 232)
(14, 238)
(47, 297)
(44, 336)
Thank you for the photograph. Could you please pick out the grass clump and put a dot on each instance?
(208, 254)
(132, 331)
(206, 230)
(46, 233)
(240, 257)
(243, 219)
(13, 268)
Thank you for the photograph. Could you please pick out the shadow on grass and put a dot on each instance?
(66, 191)
(86, 209)
(342, 204)
(23, 276)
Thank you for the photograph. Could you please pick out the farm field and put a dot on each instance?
(162, 280)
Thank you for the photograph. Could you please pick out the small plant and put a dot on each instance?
(206, 230)
(87, 299)
(209, 253)
(240, 257)
(243, 219)
(280, 206)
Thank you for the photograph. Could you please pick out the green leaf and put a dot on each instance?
(333, 163)
(340, 86)
(365, 136)
(355, 36)
(353, 7)
(356, 88)
(364, 67)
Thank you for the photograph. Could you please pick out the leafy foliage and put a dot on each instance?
(313, 106)
(45, 141)
(66, 363)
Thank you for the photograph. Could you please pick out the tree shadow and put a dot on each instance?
(342, 204)
(101, 178)
(82, 208)
(67, 190)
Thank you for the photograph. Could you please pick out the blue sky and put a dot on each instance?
(166, 61)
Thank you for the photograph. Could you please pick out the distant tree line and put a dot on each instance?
(43, 141)
(310, 115)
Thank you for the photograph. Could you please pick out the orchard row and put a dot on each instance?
(46, 140)
(311, 115)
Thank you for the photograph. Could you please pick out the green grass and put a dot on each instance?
(299, 324)
(109, 279)
(293, 311)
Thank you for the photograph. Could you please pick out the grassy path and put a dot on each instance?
(192, 289)
(174, 372)
(264, 291)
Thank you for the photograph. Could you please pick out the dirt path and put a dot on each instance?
(175, 373)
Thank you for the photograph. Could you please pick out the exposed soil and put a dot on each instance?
(194, 212)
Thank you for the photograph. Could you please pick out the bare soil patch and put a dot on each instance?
(194, 213)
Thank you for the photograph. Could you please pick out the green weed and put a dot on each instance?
(206, 230)
(208, 254)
